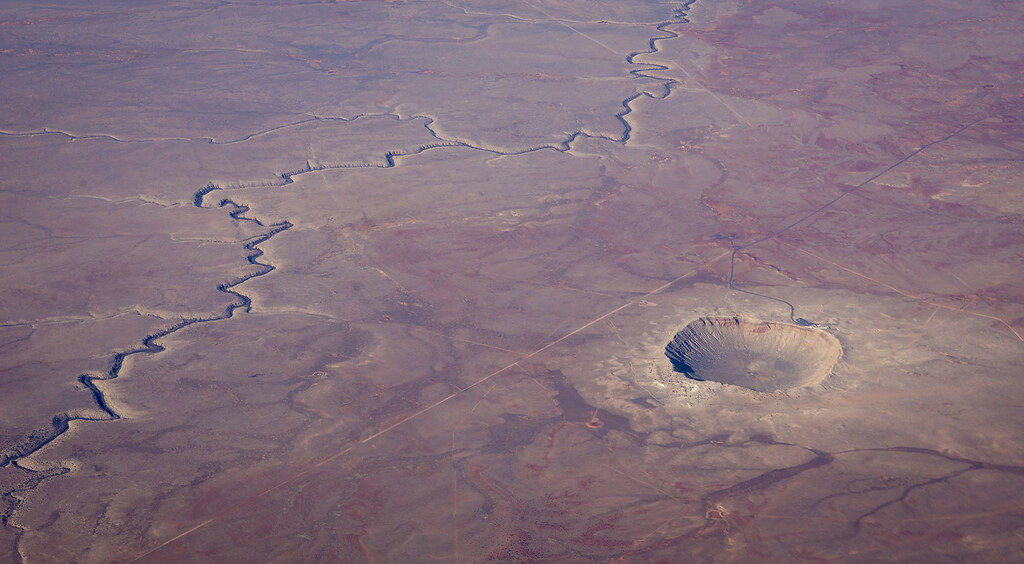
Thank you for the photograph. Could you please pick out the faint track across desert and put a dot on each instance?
(792, 310)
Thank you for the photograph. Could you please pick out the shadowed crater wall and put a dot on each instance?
(757, 355)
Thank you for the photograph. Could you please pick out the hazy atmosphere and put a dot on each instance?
(512, 281)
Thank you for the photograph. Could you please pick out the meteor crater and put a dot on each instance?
(757, 355)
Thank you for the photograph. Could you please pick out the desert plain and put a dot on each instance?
(394, 281)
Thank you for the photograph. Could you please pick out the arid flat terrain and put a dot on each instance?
(394, 281)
